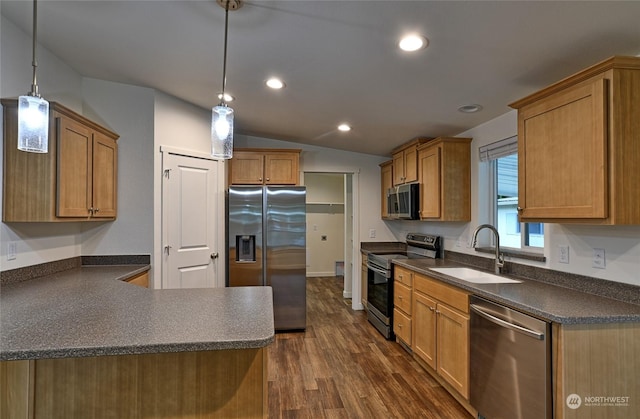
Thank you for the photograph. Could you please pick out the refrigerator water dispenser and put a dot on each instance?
(245, 248)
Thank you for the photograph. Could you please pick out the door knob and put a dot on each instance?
(214, 255)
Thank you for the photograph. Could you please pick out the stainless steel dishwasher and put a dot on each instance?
(510, 363)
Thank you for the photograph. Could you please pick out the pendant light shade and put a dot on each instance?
(222, 115)
(33, 124)
(33, 110)
(222, 132)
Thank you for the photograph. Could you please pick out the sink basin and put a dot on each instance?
(477, 277)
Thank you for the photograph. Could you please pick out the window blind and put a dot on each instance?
(499, 149)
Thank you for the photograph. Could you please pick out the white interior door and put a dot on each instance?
(189, 221)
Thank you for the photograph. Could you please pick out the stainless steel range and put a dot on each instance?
(380, 278)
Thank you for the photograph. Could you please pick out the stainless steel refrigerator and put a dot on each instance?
(266, 242)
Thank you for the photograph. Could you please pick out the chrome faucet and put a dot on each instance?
(499, 258)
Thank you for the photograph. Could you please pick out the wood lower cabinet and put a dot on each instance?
(75, 181)
(364, 276)
(441, 330)
(141, 280)
(386, 183)
(444, 174)
(402, 303)
(598, 363)
(264, 167)
(205, 384)
(578, 147)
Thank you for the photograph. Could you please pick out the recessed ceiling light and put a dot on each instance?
(413, 42)
(344, 127)
(275, 83)
(470, 108)
(227, 97)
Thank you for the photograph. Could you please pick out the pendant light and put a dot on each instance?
(33, 110)
(222, 115)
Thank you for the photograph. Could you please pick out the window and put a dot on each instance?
(502, 159)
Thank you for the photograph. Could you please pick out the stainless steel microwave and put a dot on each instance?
(403, 202)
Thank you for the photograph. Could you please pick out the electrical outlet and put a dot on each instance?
(11, 250)
(599, 260)
(563, 254)
(372, 233)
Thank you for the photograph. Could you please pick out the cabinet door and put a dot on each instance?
(411, 164)
(75, 148)
(562, 155)
(281, 169)
(453, 348)
(247, 168)
(105, 176)
(398, 168)
(386, 182)
(430, 193)
(424, 328)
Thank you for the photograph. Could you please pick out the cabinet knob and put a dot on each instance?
(431, 308)
(519, 209)
(96, 210)
(268, 179)
(91, 211)
(400, 297)
(214, 255)
(260, 179)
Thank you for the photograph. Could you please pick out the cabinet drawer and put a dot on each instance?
(403, 275)
(402, 297)
(402, 326)
(445, 293)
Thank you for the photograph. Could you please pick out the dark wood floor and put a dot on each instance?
(341, 367)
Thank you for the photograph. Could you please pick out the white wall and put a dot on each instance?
(128, 111)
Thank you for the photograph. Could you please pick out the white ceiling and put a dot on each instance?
(338, 58)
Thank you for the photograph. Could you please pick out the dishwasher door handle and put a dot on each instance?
(506, 324)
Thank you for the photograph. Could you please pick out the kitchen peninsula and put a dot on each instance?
(84, 343)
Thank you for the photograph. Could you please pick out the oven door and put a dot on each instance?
(379, 292)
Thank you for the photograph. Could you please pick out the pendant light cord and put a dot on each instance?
(224, 62)
(34, 62)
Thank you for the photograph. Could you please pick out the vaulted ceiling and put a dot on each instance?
(339, 59)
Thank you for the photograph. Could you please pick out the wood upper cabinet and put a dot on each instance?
(444, 168)
(405, 162)
(87, 171)
(75, 181)
(578, 147)
(441, 330)
(264, 167)
(386, 182)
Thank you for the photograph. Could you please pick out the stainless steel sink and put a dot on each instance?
(475, 276)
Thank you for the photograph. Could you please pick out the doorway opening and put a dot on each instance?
(331, 228)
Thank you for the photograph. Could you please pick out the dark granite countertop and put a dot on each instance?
(90, 311)
(547, 301)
